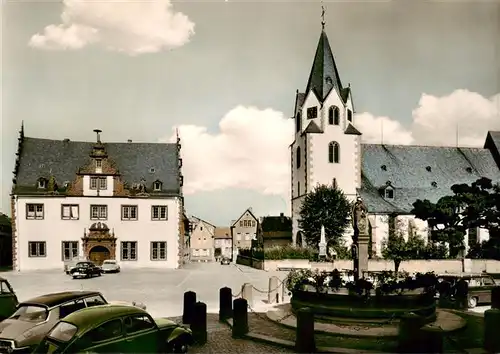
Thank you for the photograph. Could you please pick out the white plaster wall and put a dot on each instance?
(225, 245)
(108, 192)
(296, 206)
(202, 237)
(53, 230)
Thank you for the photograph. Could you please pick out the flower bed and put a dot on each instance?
(388, 296)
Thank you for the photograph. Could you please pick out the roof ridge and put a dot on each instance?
(93, 142)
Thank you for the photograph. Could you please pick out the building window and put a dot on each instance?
(298, 157)
(238, 236)
(42, 183)
(129, 212)
(333, 152)
(298, 122)
(472, 237)
(98, 212)
(129, 251)
(333, 115)
(34, 211)
(159, 212)
(98, 163)
(241, 223)
(158, 251)
(389, 193)
(312, 112)
(37, 249)
(98, 183)
(69, 250)
(253, 223)
(157, 186)
(70, 212)
(349, 115)
(298, 189)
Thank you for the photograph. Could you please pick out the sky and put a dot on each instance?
(224, 73)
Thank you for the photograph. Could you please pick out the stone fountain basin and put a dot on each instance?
(342, 304)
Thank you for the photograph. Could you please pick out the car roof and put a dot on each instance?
(90, 317)
(55, 299)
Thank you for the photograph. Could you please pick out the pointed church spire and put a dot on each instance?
(324, 75)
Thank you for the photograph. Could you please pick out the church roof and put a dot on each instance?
(62, 159)
(312, 127)
(351, 130)
(324, 75)
(419, 172)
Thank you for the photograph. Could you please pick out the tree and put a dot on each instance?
(394, 246)
(327, 206)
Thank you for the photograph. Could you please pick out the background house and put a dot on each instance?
(275, 231)
(223, 241)
(202, 240)
(244, 230)
(5, 241)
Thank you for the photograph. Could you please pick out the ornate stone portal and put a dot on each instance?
(99, 244)
(360, 239)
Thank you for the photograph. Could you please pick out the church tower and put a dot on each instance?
(326, 147)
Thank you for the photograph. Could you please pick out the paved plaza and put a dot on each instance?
(160, 290)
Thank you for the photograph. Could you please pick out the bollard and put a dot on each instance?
(432, 340)
(495, 297)
(491, 324)
(304, 337)
(273, 291)
(188, 311)
(240, 318)
(225, 303)
(246, 293)
(199, 323)
(409, 330)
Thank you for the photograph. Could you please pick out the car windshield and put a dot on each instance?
(63, 332)
(5, 288)
(82, 264)
(30, 313)
(109, 263)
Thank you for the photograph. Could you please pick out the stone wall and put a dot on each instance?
(435, 265)
(250, 262)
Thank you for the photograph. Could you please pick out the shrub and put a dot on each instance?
(288, 252)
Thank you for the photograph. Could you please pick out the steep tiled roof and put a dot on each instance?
(419, 172)
(324, 75)
(313, 128)
(350, 130)
(276, 223)
(62, 159)
(222, 232)
(299, 100)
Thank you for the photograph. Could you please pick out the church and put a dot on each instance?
(328, 149)
(74, 200)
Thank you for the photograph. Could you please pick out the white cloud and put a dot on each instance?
(131, 27)
(250, 151)
(436, 119)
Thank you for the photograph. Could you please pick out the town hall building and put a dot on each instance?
(327, 149)
(97, 201)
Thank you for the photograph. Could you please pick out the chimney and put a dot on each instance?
(129, 140)
(98, 133)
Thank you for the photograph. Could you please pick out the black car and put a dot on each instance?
(225, 261)
(85, 270)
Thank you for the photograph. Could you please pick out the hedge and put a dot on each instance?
(280, 252)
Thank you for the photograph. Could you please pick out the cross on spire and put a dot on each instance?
(322, 16)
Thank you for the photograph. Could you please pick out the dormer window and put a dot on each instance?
(42, 183)
(98, 183)
(389, 192)
(98, 163)
(157, 186)
(312, 112)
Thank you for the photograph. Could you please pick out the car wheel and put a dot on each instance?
(178, 345)
(472, 302)
(99, 274)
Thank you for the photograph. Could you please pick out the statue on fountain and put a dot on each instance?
(360, 238)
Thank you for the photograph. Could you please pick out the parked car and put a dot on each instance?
(85, 270)
(71, 263)
(110, 266)
(8, 299)
(479, 289)
(225, 261)
(33, 319)
(115, 329)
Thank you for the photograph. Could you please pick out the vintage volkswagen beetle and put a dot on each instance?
(8, 299)
(115, 329)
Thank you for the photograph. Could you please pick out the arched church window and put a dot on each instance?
(298, 157)
(333, 115)
(298, 122)
(333, 152)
